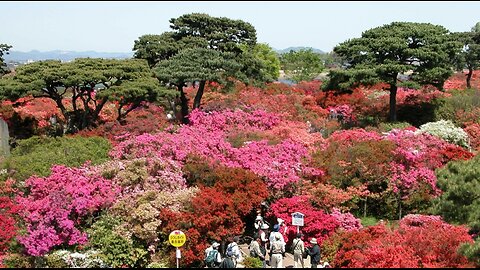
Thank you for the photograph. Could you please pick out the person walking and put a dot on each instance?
(233, 251)
(213, 258)
(257, 250)
(274, 233)
(277, 248)
(298, 250)
(314, 253)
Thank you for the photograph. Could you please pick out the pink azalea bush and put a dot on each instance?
(281, 163)
(56, 206)
(347, 221)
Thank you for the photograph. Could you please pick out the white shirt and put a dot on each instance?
(236, 251)
(272, 237)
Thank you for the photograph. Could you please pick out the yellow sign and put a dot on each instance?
(177, 238)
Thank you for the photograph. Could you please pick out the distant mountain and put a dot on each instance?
(17, 56)
(297, 49)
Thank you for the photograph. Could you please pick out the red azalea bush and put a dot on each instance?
(419, 241)
(149, 118)
(473, 132)
(8, 213)
(318, 224)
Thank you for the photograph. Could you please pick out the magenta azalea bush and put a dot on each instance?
(56, 207)
(281, 164)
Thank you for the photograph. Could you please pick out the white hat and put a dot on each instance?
(258, 218)
(264, 226)
(279, 220)
(215, 244)
(313, 241)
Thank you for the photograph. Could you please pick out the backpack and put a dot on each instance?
(211, 258)
(230, 250)
(253, 253)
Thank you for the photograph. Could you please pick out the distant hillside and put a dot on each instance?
(297, 49)
(17, 56)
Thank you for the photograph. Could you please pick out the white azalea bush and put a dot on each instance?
(68, 259)
(446, 130)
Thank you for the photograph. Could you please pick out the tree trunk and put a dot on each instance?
(392, 117)
(469, 77)
(184, 104)
(198, 96)
(365, 208)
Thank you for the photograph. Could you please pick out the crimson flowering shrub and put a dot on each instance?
(327, 196)
(30, 116)
(149, 118)
(8, 213)
(240, 183)
(318, 224)
(419, 241)
(458, 82)
(356, 165)
(473, 132)
(56, 206)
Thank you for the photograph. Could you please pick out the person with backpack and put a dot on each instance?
(314, 253)
(257, 250)
(233, 251)
(277, 249)
(298, 248)
(213, 258)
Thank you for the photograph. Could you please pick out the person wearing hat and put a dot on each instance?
(277, 248)
(298, 248)
(213, 249)
(236, 255)
(314, 253)
(274, 233)
(263, 235)
(257, 250)
(258, 220)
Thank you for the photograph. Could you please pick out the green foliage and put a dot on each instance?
(369, 221)
(268, 57)
(4, 48)
(459, 202)
(35, 156)
(462, 100)
(196, 64)
(384, 52)
(88, 82)
(116, 250)
(157, 265)
(55, 260)
(386, 127)
(16, 260)
(302, 65)
(469, 56)
(201, 48)
(471, 251)
(251, 262)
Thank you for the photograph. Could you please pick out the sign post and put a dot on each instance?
(177, 239)
(297, 220)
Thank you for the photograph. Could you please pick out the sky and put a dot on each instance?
(110, 26)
